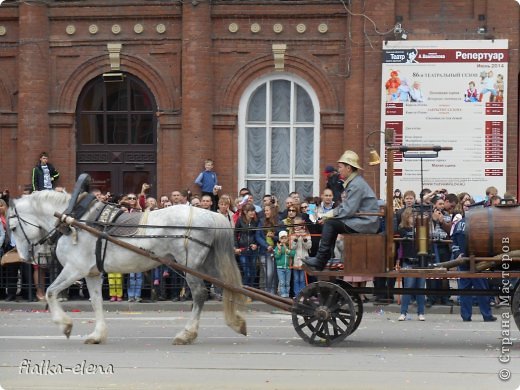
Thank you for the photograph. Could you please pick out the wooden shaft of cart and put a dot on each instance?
(252, 293)
(389, 231)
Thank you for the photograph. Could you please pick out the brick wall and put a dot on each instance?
(197, 70)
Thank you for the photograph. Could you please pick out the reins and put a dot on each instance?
(190, 227)
(32, 245)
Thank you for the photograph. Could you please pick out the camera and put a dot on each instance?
(218, 188)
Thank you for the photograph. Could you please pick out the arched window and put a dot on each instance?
(116, 113)
(279, 138)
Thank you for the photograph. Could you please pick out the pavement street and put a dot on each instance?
(441, 353)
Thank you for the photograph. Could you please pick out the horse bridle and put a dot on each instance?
(32, 245)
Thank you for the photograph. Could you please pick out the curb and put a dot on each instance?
(255, 306)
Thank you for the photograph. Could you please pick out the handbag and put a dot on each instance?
(11, 257)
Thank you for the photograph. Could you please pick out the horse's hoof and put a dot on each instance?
(67, 330)
(92, 341)
(243, 328)
(181, 341)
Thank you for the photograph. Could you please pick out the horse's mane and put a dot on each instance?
(54, 197)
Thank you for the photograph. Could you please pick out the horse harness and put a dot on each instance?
(110, 220)
(52, 237)
(32, 245)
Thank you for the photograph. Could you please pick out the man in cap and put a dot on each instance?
(334, 183)
(358, 197)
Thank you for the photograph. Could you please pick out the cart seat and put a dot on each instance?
(364, 253)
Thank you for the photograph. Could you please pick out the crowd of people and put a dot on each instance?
(274, 240)
(447, 231)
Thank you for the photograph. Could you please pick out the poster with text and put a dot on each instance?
(448, 93)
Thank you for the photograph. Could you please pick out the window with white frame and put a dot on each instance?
(279, 138)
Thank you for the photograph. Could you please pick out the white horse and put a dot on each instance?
(208, 248)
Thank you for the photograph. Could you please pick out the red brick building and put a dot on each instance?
(273, 91)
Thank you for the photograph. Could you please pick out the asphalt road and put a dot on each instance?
(441, 353)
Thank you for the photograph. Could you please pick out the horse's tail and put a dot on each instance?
(229, 273)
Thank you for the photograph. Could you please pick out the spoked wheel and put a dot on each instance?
(323, 314)
(515, 305)
(358, 302)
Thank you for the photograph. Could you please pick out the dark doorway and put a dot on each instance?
(117, 132)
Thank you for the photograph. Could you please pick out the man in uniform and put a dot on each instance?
(357, 197)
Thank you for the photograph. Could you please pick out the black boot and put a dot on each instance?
(315, 263)
(327, 242)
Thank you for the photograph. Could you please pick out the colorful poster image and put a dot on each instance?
(448, 93)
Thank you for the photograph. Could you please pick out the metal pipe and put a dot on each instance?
(451, 263)
(419, 148)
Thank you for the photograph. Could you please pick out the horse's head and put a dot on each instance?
(31, 220)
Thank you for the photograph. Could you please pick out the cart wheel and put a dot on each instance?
(358, 302)
(515, 305)
(323, 314)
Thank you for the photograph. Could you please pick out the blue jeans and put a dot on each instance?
(466, 301)
(284, 281)
(157, 273)
(270, 273)
(135, 283)
(248, 267)
(298, 281)
(405, 299)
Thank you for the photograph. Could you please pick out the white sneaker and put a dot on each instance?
(421, 317)
(402, 317)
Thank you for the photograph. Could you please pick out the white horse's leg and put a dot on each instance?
(199, 294)
(99, 335)
(66, 277)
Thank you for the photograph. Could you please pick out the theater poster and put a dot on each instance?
(448, 93)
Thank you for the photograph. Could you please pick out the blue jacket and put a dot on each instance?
(458, 246)
(206, 180)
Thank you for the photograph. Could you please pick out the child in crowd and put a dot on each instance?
(283, 256)
(407, 258)
(115, 286)
(301, 244)
(135, 283)
(207, 181)
(398, 200)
